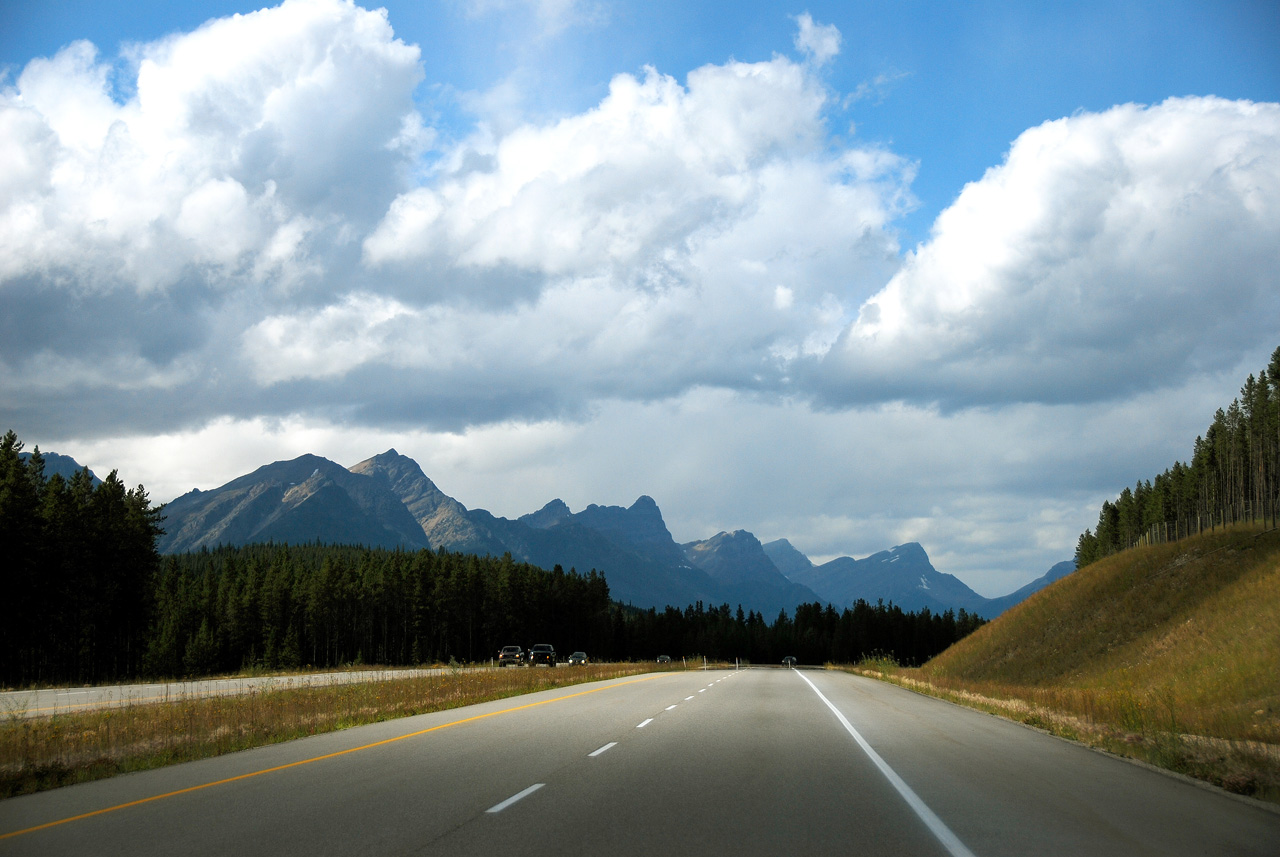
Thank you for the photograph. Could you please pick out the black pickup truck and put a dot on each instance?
(542, 653)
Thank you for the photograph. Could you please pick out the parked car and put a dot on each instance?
(578, 658)
(542, 653)
(664, 659)
(789, 661)
(510, 656)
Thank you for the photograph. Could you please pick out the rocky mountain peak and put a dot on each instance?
(405, 478)
(910, 550)
(646, 505)
(787, 558)
(548, 516)
(737, 542)
(641, 524)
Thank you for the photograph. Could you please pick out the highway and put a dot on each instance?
(747, 762)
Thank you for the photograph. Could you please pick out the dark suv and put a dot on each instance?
(543, 653)
(510, 656)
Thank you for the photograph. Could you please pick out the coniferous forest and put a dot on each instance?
(79, 564)
(88, 599)
(1234, 476)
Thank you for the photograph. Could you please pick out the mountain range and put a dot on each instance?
(387, 501)
(902, 575)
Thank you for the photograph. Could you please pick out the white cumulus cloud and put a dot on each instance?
(821, 42)
(233, 139)
(653, 164)
(640, 247)
(1110, 252)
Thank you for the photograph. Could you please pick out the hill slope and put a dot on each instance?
(1184, 634)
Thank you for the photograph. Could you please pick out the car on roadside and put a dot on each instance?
(542, 653)
(664, 659)
(510, 656)
(578, 659)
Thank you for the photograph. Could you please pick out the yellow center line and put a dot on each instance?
(252, 774)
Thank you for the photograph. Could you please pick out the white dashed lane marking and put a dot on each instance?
(499, 807)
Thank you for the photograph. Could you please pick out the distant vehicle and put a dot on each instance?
(542, 653)
(510, 656)
(789, 661)
(578, 658)
(664, 659)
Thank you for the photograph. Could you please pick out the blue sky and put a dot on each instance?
(852, 274)
(950, 85)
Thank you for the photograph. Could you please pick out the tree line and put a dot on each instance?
(79, 564)
(89, 599)
(285, 606)
(1233, 476)
(817, 634)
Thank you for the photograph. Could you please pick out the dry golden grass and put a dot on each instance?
(47, 752)
(1169, 653)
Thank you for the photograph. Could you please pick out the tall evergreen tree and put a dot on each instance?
(1233, 475)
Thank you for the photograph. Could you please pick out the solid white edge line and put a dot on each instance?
(644, 724)
(499, 807)
(605, 747)
(936, 826)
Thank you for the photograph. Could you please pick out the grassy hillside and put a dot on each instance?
(1170, 653)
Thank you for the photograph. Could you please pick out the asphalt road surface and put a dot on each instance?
(767, 762)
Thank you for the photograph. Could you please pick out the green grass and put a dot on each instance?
(1168, 653)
